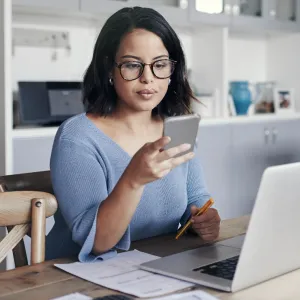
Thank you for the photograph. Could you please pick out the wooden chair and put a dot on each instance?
(24, 199)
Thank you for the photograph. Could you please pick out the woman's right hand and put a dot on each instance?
(151, 162)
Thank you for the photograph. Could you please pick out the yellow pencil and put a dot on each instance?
(202, 210)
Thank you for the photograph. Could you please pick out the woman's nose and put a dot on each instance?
(147, 75)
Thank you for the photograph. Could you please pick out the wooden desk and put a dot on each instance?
(44, 281)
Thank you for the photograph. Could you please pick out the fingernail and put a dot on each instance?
(168, 139)
(186, 146)
(192, 154)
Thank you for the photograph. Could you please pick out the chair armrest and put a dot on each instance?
(15, 207)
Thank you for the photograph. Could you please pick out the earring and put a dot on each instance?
(111, 81)
(169, 81)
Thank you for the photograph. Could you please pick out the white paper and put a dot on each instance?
(193, 295)
(122, 273)
(74, 296)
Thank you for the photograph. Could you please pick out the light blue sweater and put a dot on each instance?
(85, 166)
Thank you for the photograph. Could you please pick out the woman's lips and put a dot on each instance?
(146, 93)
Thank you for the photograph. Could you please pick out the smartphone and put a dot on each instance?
(182, 130)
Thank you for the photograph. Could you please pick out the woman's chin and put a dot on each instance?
(148, 106)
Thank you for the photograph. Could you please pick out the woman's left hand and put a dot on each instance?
(207, 226)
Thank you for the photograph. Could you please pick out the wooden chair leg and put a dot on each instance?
(12, 239)
(38, 231)
(19, 252)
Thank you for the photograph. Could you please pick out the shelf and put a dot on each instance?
(31, 132)
(98, 11)
(249, 119)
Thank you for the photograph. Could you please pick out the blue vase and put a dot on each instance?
(241, 95)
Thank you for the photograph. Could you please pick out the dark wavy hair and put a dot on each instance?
(100, 97)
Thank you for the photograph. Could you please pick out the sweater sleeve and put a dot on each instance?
(79, 184)
(196, 188)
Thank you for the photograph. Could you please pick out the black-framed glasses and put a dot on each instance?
(131, 70)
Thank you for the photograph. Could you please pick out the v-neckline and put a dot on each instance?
(107, 137)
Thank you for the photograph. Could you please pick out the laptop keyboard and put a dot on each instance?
(224, 269)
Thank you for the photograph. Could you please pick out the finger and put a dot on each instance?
(167, 154)
(208, 216)
(210, 237)
(208, 232)
(158, 144)
(194, 210)
(200, 226)
(181, 159)
(209, 229)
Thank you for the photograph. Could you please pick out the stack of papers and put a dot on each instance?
(122, 273)
(194, 295)
(74, 296)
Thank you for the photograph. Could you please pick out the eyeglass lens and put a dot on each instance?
(134, 69)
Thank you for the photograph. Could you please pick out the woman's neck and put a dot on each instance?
(136, 122)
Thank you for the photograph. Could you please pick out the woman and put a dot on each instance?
(113, 182)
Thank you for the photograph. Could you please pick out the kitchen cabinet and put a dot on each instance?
(170, 9)
(250, 153)
(233, 155)
(284, 14)
(238, 15)
(255, 147)
(70, 5)
(247, 15)
(218, 13)
(104, 7)
(284, 142)
(266, 15)
(32, 154)
(214, 150)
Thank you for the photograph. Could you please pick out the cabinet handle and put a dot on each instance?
(227, 9)
(267, 134)
(235, 10)
(272, 13)
(274, 135)
(183, 4)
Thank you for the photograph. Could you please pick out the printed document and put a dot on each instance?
(73, 296)
(122, 273)
(193, 295)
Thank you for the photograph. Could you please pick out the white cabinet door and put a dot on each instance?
(101, 6)
(53, 4)
(168, 8)
(249, 14)
(214, 149)
(250, 155)
(284, 15)
(31, 154)
(284, 142)
(210, 12)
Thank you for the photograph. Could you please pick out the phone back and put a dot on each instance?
(181, 130)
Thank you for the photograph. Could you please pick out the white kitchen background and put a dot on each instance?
(216, 55)
(252, 58)
(35, 63)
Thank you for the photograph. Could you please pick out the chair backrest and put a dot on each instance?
(24, 210)
(37, 181)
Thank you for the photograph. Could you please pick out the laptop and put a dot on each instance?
(270, 247)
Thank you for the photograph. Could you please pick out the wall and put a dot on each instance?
(247, 58)
(259, 59)
(283, 55)
(30, 63)
(242, 54)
